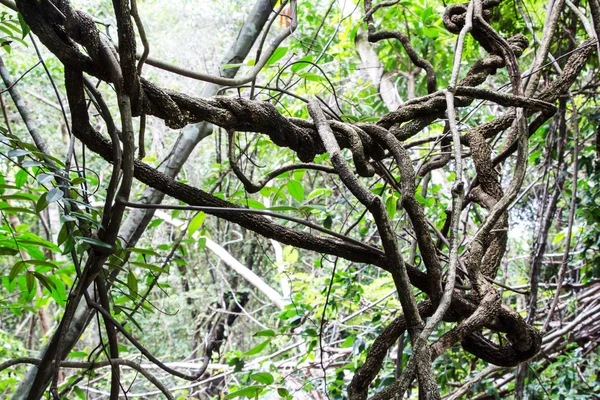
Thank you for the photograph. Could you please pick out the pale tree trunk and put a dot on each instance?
(379, 77)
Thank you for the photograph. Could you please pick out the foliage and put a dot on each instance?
(174, 294)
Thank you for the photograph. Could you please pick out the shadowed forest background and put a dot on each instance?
(299, 199)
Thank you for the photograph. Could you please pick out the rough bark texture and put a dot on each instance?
(72, 36)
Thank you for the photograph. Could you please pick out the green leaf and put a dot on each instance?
(426, 14)
(318, 192)
(7, 31)
(258, 348)
(44, 178)
(369, 119)
(62, 235)
(21, 264)
(68, 245)
(431, 32)
(93, 242)
(15, 153)
(301, 63)
(390, 206)
(327, 222)
(53, 195)
(150, 267)
(196, 223)
(255, 204)
(283, 392)
(535, 156)
(299, 174)
(249, 391)
(78, 181)
(19, 196)
(349, 117)
(33, 251)
(265, 333)
(290, 254)
(309, 76)
(132, 283)
(79, 392)
(296, 190)
(85, 217)
(7, 251)
(21, 178)
(30, 281)
(29, 164)
(348, 342)
(277, 55)
(44, 156)
(229, 66)
(559, 237)
(147, 252)
(420, 199)
(30, 238)
(263, 377)
(15, 210)
(313, 207)
(47, 283)
(41, 204)
(24, 27)
(155, 222)
(16, 270)
(42, 263)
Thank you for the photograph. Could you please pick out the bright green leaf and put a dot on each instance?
(258, 348)
(265, 333)
(77, 354)
(348, 342)
(263, 377)
(290, 254)
(277, 55)
(255, 204)
(309, 76)
(559, 237)
(79, 392)
(249, 391)
(301, 63)
(296, 190)
(196, 223)
(390, 206)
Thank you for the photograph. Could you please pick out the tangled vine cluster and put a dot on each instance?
(474, 307)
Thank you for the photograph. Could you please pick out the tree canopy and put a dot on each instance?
(284, 199)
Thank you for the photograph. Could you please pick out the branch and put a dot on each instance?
(233, 263)
(95, 365)
(142, 349)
